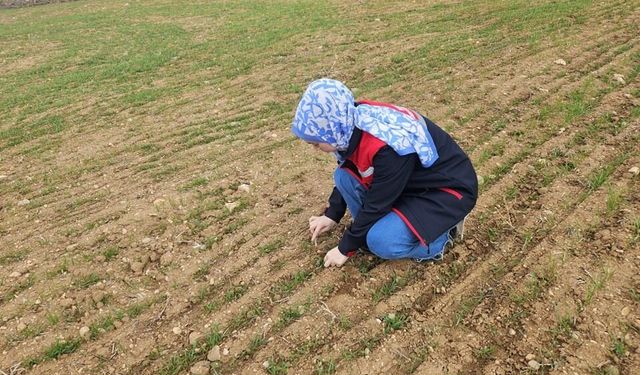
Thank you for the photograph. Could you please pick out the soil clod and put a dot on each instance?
(214, 354)
(200, 368)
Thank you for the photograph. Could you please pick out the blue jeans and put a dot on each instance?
(389, 237)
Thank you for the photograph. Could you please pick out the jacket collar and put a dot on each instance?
(354, 141)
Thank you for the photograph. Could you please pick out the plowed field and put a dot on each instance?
(154, 204)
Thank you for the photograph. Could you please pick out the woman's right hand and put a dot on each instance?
(319, 225)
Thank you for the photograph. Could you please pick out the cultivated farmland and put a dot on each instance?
(154, 205)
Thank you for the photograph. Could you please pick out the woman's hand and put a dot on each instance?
(319, 225)
(334, 258)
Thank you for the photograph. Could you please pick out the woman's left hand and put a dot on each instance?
(334, 258)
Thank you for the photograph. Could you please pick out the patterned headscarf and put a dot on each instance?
(327, 114)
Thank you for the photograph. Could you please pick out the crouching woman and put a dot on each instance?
(405, 181)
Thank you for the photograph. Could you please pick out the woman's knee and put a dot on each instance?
(390, 238)
(379, 244)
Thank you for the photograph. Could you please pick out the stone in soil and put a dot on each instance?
(21, 327)
(560, 62)
(534, 365)
(195, 337)
(177, 330)
(625, 311)
(24, 202)
(166, 259)
(634, 171)
(244, 188)
(84, 331)
(231, 206)
(15, 275)
(530, 357)
(619, 78)
(103, 352)
(137, 267)
(97, 296)
(200, 368)
(214, 354)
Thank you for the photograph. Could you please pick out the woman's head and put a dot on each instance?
(325, 115)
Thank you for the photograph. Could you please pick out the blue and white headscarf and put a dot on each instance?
(327, 114)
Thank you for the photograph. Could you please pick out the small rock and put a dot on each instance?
(117, 324)
(166, 259)
(200, 368)
(625, 311)
(612, 370)
(66, 302)
(137, 267)
(71, 247)
(24, 202)
(177, 330)
(634, 171)
(195, 337)
(619, 78)
(627, 95)
(265, 364)
(153, 256)
(97, 296)
(391, 316)
(158, 202)
(84, 331)
(512, 331)
(530, 357)
(21, 327)
(101, 258)
(480, 180)
(3, 176)
(225, 351)
(144, 259)
(534, 364)
(103, 352)
(146, 240)
(214, 354)
(560, 62)
(15, 275)
(231, 206)
(244, 188)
